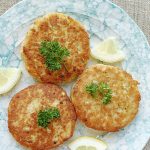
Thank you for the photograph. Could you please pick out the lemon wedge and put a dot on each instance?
(108, 51)
(87, 143)
(8, 78)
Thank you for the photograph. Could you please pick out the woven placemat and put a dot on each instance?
(6, 4)
(139, 11)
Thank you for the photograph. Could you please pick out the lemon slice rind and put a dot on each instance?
(108, 51)
(87, 141)
(117, 57)
(8, 79)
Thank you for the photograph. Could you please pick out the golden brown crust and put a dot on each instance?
(22, 117)
(70, 33)
(124, 103)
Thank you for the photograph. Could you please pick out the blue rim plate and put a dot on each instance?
(102, 19)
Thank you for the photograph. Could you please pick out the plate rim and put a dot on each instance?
(108, 1)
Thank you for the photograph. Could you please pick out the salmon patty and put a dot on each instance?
(109, 111)
(25, 108)
(70, 34)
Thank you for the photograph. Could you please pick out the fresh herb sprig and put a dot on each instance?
(106, 92)
(47, 115)
(54, 54)
(102, 89)
(92, 89)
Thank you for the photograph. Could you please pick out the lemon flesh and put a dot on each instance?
(108, 51)
(87, 143)
(8, 78)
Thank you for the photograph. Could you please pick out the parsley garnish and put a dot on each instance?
(54, 54)
(47, 115)
(106, 92)
(92, 89)
(102, 89)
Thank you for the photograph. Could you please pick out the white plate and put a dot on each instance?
(102, 19)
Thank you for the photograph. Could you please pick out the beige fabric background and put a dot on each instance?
(139, 10)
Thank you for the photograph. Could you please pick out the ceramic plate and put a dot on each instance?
(102, 19)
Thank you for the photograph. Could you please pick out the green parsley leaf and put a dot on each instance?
(54, 54)
(47, 115)
(102, 89)
(92, 89)
(106, 98)
(105, 90)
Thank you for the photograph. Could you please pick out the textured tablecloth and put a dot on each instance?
(139, 10)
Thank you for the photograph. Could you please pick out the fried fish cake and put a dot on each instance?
(23, 115)
(70, 34)
(122, 108)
